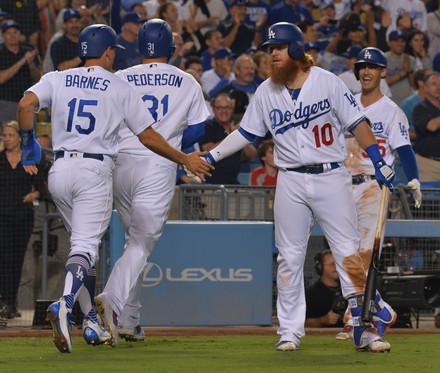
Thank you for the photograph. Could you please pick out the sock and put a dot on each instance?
(87, 295)
(76, 268)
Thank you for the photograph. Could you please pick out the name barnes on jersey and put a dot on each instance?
(89, 82)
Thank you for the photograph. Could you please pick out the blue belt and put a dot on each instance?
(314, 168)
(359, 179)
(61, 154)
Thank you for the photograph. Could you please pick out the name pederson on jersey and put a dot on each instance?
(172, 97)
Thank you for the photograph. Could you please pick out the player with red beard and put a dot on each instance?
(307, 110)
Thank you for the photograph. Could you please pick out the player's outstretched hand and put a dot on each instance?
(384, 174)
(414, 185)
(196, 165)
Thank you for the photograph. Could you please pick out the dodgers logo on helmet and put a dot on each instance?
(271, 34)
(367, 54)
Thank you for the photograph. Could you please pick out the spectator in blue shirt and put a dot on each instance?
(410, 102)
(130, 56)
(213, 40)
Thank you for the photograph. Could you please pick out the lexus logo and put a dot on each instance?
(152, 275)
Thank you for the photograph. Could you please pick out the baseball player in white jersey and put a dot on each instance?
(144, 183)
(307, 110)
(390, 126)
(88, 104)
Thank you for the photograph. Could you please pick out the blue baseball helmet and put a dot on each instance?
(371, 56)
(95, 39)
(156, 39)
(286, 33)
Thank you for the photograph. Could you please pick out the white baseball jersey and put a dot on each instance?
(309, 130)
(165, 90)
(88, 105)
(390, 126)
(144, 182)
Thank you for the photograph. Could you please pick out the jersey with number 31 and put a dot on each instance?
(310, 130)
(171, 96)
(390, 127)
(88, 104)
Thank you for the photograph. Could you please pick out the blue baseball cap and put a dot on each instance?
(396, 34)
(8, 24)
(71, 13)
(223, 53)
(133, 17)
(352, 52)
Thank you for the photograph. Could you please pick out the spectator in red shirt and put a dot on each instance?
(266, 174)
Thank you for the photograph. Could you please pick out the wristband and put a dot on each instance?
(374, 153)
(209, 158)
(27, 136)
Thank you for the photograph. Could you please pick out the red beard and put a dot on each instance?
(280, 75)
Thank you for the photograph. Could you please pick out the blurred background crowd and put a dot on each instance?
(216, 41)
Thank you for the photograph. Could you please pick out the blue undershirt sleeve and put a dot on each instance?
(408, 161)
(193, 134)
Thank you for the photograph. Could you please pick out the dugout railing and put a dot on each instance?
(239, 202)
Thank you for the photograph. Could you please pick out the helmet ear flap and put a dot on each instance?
(296, 50)
(356, 72)
(172, 50)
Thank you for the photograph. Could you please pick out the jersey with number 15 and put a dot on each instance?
(309, 130)
(88, 105)
(390, 127)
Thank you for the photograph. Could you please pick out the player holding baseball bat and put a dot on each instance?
(390, 127)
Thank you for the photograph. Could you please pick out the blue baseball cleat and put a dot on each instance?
(95, 334)
(60, 318)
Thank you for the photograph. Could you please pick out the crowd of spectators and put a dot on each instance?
(225, 35)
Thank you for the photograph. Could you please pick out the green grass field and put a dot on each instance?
(225, 354)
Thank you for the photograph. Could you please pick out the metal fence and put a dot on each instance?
(413, 253)
(237, 202)
(226, 202)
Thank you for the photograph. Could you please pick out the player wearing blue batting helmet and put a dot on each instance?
(156, 39)
(370, 56)
(95, 39)
(286, 33)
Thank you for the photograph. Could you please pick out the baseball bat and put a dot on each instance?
(370, 286)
